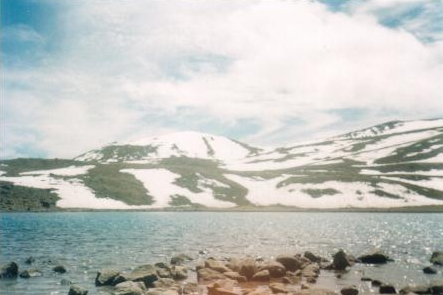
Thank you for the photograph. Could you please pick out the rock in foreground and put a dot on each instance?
(9, 270)
(374, 257)
(437, 258)
(76, 290)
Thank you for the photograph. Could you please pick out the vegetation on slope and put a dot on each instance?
(20, 198)
(16, 166)
(107, 181)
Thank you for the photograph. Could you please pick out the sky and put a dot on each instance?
(77, 75)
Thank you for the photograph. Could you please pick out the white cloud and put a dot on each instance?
(125, 68)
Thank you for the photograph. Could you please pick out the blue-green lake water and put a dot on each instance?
(85, 242)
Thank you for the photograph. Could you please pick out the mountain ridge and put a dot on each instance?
(390, 165)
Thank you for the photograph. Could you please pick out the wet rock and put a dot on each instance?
(262, 276)
(350, 290)
(130, 288)
(179, 272)
(106, 277)
(180, 259)
(430, 270)
(311, 270)
(59, 269)
(209, 275)
(65, 282)
(292, 277)
(291, 263)
(248, 268)
(340, 261)
(164, 283)
(387, 289)
(376, 283)
(312, 257)
(9, 270)
(144, 273)
(216, 265)
(233, 275)
(437, 258)
(278, 288)
(436, 287)
(31, 272)
(420, 289)
(30, 260)
(374, 257)
(276, 269)
(76, 290)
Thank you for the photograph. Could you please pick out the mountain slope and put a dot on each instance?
(395, 164)
(181, 144)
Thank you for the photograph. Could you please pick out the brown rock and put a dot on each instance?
(248, 268)
(130, 288)
(291, 263)
(278, 288)
(311, 270)
(179, 272)
(233, 275)
(262, 276)
(164, 283)
(311, 280)
(208, 275)
(106, 277)
(259, 291)
(190, 288)
(222, 287)
(216, 265)
(276, 269)
(315, 291)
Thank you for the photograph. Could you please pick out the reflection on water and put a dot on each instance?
(87, 242)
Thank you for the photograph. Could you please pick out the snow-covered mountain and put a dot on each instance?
(180, 144)
(395, 164)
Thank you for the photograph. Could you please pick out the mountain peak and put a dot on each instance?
(189, 144)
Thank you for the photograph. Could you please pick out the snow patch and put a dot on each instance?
(432, 183)
(73, 193)
(68, 171)
(432, 172)
(160, 185)
(194, 145)
(348, 194)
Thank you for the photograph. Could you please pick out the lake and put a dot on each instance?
(85, 242)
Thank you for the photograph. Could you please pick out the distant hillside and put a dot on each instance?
(395, 164)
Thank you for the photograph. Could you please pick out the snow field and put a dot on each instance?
(68, 171)
(350, 194)
(432, 183)
(194, 145)
(160, 185)
(73, 193)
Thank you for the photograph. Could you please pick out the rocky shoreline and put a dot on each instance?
(286, 274)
